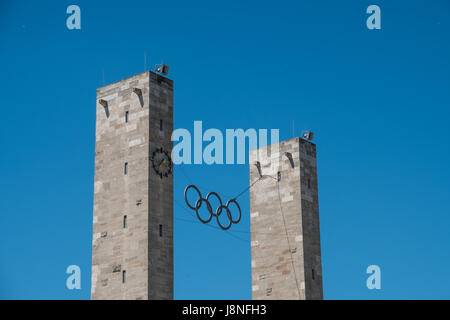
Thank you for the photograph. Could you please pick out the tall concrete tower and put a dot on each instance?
(285, 234)
(132, 248)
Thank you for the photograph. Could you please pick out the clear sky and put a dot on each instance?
(377, 100)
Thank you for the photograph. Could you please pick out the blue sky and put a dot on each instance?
(377, 100)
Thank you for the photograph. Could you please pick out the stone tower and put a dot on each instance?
(132, 248)
(285, 234)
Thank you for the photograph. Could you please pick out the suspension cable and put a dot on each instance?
(287, 238)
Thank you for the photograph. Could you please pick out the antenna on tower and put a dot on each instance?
(145, 61)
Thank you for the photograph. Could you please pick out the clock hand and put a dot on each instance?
(161, 163)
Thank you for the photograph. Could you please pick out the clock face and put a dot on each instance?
(161, 162)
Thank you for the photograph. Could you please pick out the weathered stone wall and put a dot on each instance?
(141, 195)
(285, 236)
(160, 262)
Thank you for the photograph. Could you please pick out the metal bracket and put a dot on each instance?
(289, 156)
(137, 91)
(258, 166)
(104, 103)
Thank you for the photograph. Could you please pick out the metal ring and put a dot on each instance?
(239, 208)
(212, 193)
(198, 204)
(185, 195)
(218, 211)
(228, 215)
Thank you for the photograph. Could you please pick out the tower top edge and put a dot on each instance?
(295, 139)
(148, 72)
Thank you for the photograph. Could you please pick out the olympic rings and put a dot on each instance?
(221, 208)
